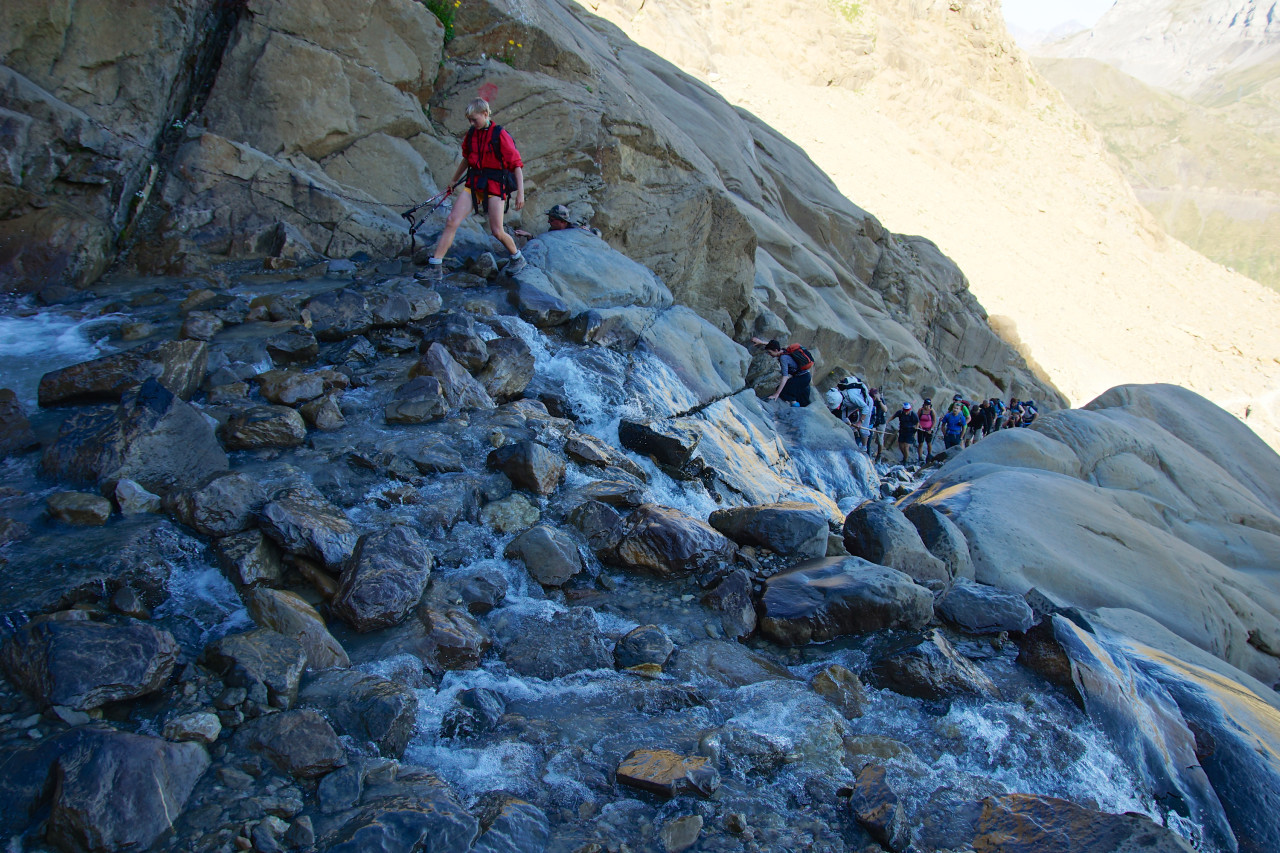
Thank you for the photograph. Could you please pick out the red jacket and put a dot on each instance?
(477, 150)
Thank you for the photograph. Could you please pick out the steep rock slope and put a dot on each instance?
(927, 113)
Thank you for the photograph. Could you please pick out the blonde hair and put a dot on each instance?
(476, 107)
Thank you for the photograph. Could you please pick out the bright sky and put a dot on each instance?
(1036, 15)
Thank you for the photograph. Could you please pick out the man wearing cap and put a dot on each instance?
(907, 420)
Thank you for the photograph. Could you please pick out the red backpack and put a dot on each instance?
(804, 360)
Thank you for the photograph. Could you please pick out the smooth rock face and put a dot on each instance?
(980, 609)
(879, 533)
(823, 599)
(249, 558)
(290, 615)
(84, 665)
(930, 668)
(388, 574)
(300, 743)
(668, 543)
(79, 508)
(366, 707)
(530, 466)
(943, 539)
(263, 426)
(550, 555)
(1024, 823)
(646, 644)
(791, 529)
(304, 523)
(261, 656)
(660, 771)
(550, 647)
(120, 791)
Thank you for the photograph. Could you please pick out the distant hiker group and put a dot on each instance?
(963, 423)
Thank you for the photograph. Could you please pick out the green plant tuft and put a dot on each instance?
(850, 10)
(444, 10)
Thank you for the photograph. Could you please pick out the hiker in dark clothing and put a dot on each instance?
(795, 363)
(1029, 413)
(907, 421)
(987, 414)
(494, 171)
(952, 424)
(875, 424)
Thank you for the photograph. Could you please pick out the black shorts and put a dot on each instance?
(797, 389)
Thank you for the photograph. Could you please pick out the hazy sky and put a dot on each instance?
(1046, 14)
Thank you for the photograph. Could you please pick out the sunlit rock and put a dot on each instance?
(660, 771)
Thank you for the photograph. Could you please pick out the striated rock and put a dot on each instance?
(509, 370)
(300, 743)
(727, 663)
(263, 426)
(460, 390)
(79, 508)
(1026, 823)
(646, 644)
(553, 645)
(178, 366)
(200, 326)
(550, 555)
(732, 599)
(530, 466)
(366, 707)
(823, 599)
(510, 825)
(200, 727)
(249, 558)
(289, 387)
(878, 810)
(84, 665)
(437, 456)
(132, 499)
(943, 539)
(929, 667)
(980, 609)
(416, 812)
(290, 615)
(790, 528)
(152, 438)
(225, 505)
(16, 435)
(842, 688)
(668, 543)
(387, 576)
(338, 314)
(304, 523)
(878, 532)
(418, 401)
(260, 656)
(453, 639)
(120, 791)
(660, 771)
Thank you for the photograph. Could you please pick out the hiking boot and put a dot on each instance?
(516, 265)
(433, 273)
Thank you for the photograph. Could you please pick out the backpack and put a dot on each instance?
(804, 360)
(855, 398)
(504, 176)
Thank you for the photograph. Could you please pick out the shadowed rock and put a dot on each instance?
(728, 663)
(878, 532)
(16, 435)
(930, 668)
(732, 599)
(385, 580)
(512, 824)
(877, 809)
(418, 401)
(943, 539)
(304, 523)
(553, 645)
(339, 314)
(646, 644)
(790, 528)
(179, 366)
(1026, 823)
(460, 338)
(300, 743)
(460, 389)
(980, 609)
(550, 555)
(364, 706)
(290, 615)
(530, 465)
(263, 426)
(79, 508)
(249, 558)
(261, 656)
(509, 369)
(221, 507)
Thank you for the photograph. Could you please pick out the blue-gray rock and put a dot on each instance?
(260, 656)
(385, 579)
(789, 528)
(304, 523)
(646, 644)
(878, 532)
(980, 609)
(300, 743)
(668, 543)
(364, 706)
(550, 555)
(929, 667)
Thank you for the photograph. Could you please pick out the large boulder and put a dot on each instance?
(980, 609)
(509, 369)
(288, 614)
(550, 555)
(304, 523)
(1028, 823)
(177, 365)
(300, 742)
(530, 465)
(225, 505)
(583, 271)
(790, 528)
(339, 314)
(709, 363)
(257, 427)
(930, 668)
(386, 578)
(366, 707)
(943, 539)
(823, 599)
(460, 389)
(878, 532)
(667, 543)
(260, 656)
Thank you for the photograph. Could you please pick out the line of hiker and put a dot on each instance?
(961, 425)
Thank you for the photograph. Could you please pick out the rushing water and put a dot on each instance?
(32, 344)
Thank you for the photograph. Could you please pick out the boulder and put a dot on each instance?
(537, 305)
(225, 505)
(263, 426)
(979, 609)
(289, 387)
(509, 370)
(842, 688)
(668, 543)
(300, 743)
(260, 656)
(728, 663)
(707, 361)
(132, 499)
(827, 598)
(667, 444)
(668, 774)
(339, 314)
(288, 614)
(83, 665)
(294, 346)
(929, 667)
(598, 522)
(453, 640)
(323, 413)
(437, 456)
(418, 401)
(681, 833)
(529, 465)
(385, 579)
(790, 528)
(79, 508)
(416, 812)
(733, 599)
(584, 272)
(459, 336)
(878, 809)
(549, 554)
(943, 539)
(646, 644)
(366, 707)
(249, 558)
(878, 532)
(178, 366)
(1029, 823)
(461, 391)
(152, 438)
(476, 710)
(302, 522)
(510, 514)
(16, 435)
(512, 824)
(200, 326)
(548, 646)
(197, 727)
(120, 791)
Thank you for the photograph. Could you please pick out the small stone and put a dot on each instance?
(510, 514)
(71, 716)
(129, 603)
(230, 698)
(681, 834)
(647, 644)
(132, 499)
(736, 822)
(661, 771)
(79, 508)
(201, 727)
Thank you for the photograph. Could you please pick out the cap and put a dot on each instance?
(928, 402)
(560, 212)
(957, 398)
(906, 407)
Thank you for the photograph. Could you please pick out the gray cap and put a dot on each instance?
(559, 211)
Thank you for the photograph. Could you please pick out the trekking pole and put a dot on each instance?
(437, 201)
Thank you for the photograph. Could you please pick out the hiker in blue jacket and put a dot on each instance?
(795, 363)
(952, 426)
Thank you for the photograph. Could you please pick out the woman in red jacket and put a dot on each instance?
(494, 172)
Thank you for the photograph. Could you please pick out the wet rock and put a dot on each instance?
(539, 307)
(304, 523)
(120, 791)
(263, 426)
(680, 834)
(79, 508)
(416, 812)
(732, 599)
(511, 825)
(943, 539)
(200, 326)
(552, 645)
(667, 444)
(459, 337)
(295, 346)
(1026, 823)
(288, 614)
(132, 499)
(390, 310)
(419, 401)
(482, 592)
(508, 371)
(324, 413)
(842, 688)
(16, 435)
(300, 743)
(600, 523)
(461, 391)
(83, 665)
(12, 530)
(198, 727)
(129, 603)
(301, 834)
(437, 456)
(249, 558)
(878, 532)
(550, 555)
(725, 662)
(225, 505)
(823, 599)
(152, 438)
(178, 366)
(646, 644)
(660, 771)
(620, 493)
(929, 667)
(453, 639)
(289, 387)
(529, 465)
(341, 789)
(477, 710)
(366, 707)
(790, 528)
(878, 810)
(385, 579)
(356, 350)
(260, 656)
(668, 543)
(338, 314)
(980, 609)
